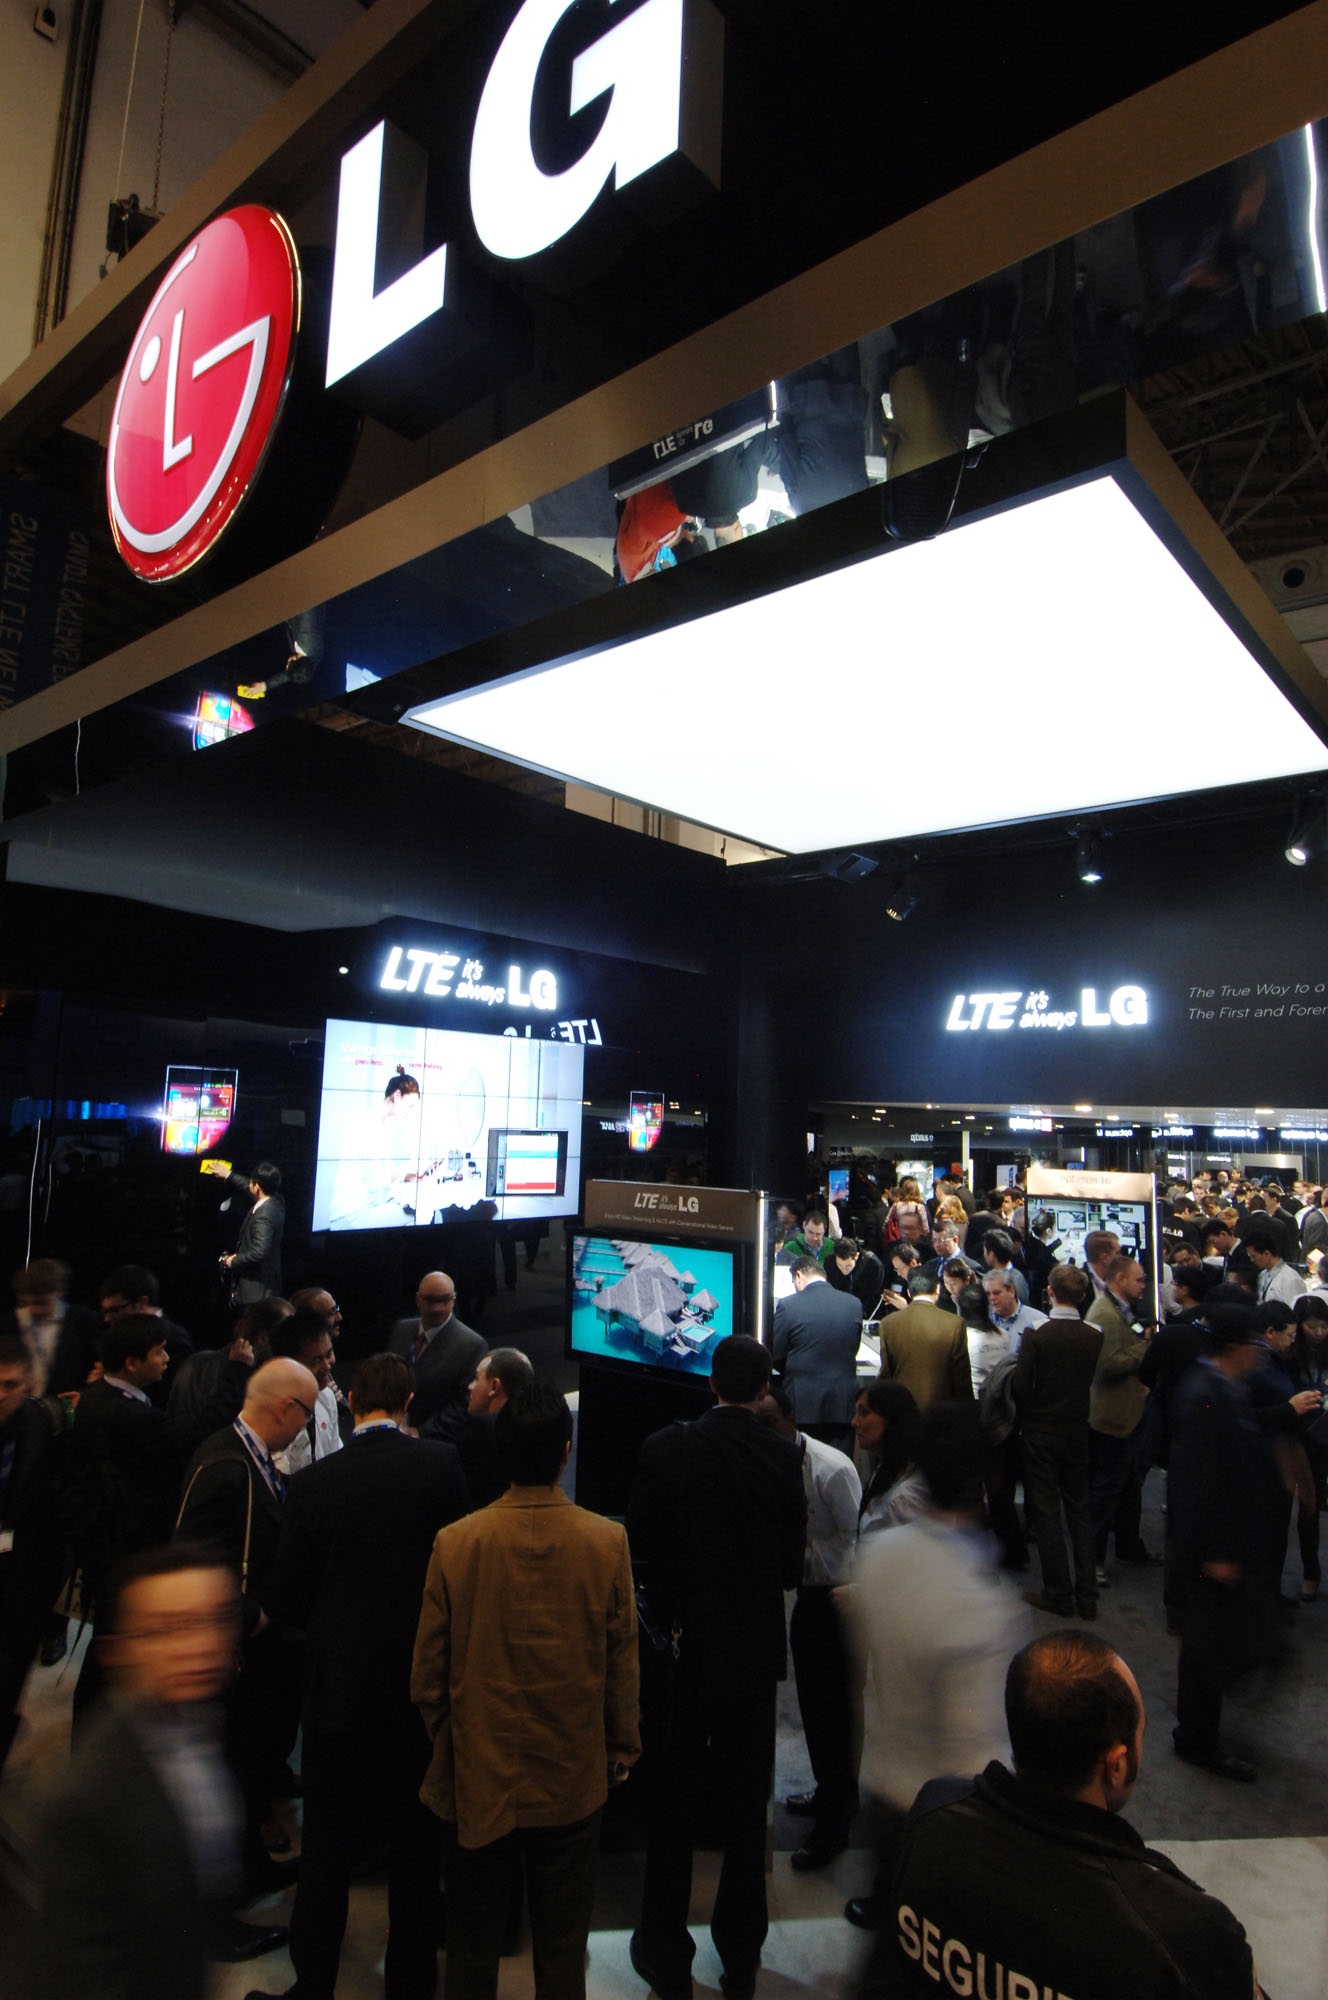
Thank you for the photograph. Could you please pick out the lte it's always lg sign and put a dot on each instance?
(202, 392)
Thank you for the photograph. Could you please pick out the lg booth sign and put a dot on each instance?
(203, 387)
(202, 391)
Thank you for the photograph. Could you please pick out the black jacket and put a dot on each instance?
(227, 1504)
(257, 1268)
(350, 1570)
(717, 1513)
(125, 1462)
(30, 1573)
(995, 1873)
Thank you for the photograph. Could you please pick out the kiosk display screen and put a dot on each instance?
(1075, 1218)
(661, 1305)
(417, 1123)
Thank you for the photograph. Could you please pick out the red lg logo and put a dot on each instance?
(202, 391)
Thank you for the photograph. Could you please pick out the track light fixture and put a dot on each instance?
(1088, 858)
(1306, 837)
(902, 899)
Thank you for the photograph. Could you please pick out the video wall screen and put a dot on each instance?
(415, 1123)
(661, 1305)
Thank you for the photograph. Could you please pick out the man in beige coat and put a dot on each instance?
(525, 1673)
(1115, 1409)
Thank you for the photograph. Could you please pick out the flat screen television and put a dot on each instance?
(416, 1124)
(1076, 1216)
(197, 1107)
(656, 1305)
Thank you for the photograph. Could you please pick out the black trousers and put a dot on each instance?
(358, 1785)
(482, 1886)
(830, 1704)
(1117, 1495)
(262, 1708)
(727, 1735)
(1056, 1474)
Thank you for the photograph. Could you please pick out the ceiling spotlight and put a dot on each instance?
(903, 897)
(1306, 837)
(1088, 858)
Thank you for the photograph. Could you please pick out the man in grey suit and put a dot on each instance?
(816, 1337)
(443, 1350)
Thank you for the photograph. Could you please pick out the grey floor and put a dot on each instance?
(1263, 1848)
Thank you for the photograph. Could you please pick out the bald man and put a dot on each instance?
(443, 1350)
(234, 1499)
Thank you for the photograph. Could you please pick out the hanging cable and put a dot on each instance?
(32, 1190)
(129, 94)
(78, 745)
(161, 115)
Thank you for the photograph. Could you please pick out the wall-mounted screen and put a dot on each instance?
(197, 1107)
(415, 1123)
(645, 1120)
(663, 1305)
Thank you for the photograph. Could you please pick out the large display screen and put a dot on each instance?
(197, 1107)
(415, 1123)
(662, 1305)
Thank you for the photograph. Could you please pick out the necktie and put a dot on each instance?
(421, 1342)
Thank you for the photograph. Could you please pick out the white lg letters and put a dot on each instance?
(518, 209)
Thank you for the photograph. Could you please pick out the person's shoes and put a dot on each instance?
(738, 1985)
(865, 1912)
(1140, 1558)
(1063, 1607)
(1087, 1608)
(1220, 1763)
(54, 1647)
(291, 1993)
(816, 1854)
(655, 1977)
(234, 1942)
(1309, 1590)
(801, 1803)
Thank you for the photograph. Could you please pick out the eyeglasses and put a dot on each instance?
(306, 1407)
(184, 1628)
(435, 1298)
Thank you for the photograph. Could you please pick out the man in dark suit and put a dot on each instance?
(1053, 1380)
(124, 1463)
(443, 1350)
(1227, 1520)
(139, 1840)
(233, 1502)
(31, 1437)
(471, 1425)
(817, 1334)
(349, 1574)
(255, 1262)
(718, 1519)
(62, 1340)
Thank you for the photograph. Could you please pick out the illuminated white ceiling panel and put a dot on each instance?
(1054, 658)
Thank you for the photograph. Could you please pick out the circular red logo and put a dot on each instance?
(202, 391)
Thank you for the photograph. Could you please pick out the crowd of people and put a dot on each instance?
(380, 1598)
